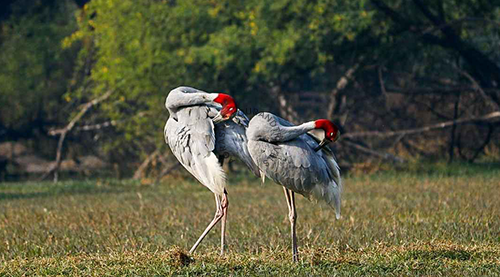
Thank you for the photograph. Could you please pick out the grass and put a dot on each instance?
(425, 222)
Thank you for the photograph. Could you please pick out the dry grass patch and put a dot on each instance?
(393, 224)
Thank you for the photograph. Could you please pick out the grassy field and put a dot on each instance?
(427, 222)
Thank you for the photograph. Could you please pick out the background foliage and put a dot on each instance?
(35, 70)
(374, 65)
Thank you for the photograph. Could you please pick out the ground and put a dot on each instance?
(424, 222)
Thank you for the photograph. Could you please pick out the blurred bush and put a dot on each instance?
(368, 65)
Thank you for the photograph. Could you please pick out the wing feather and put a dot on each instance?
(192, 140)
(295, 165)
(231, 139)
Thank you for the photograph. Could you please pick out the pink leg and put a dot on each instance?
(292, 216)
(225, 205)
(219, 212)
(293, 219)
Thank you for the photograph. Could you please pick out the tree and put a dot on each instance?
(384, 65)
(35, 71)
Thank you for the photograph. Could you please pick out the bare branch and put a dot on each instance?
(381, 81)
(286, 108)
(484, 144)
(341, 84)
(145, 163)
(90, 127)
(372, 152)
(423, 129)
(476, 85)
(167, 171)
(85, 108)
(431, 90)
(93, 127)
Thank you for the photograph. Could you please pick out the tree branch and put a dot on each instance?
(483, 145)
(85, 108)
(484, 69)
(381, 81)
(372, 152)
(90, 127)
(144, 164)
(488, 98)
(167, 171)
(422, 129)
(286, 109)
(341, 84)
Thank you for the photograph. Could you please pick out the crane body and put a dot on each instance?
(290, 156)
(202, 129)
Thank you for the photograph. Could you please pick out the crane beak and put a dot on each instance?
(321, 145)
(221, 118)
(218, 118)
(337, 136)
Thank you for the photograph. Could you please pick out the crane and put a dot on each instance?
(203, 129)
(295, 158)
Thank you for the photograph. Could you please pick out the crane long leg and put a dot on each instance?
(292, 216)
(219, 212)
(287, 195)
(225, 205)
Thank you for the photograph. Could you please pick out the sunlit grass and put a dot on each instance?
(419, 223)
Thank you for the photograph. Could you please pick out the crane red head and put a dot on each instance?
(228, 110)
(332, 132)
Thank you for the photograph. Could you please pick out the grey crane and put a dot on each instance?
(201, 146)
(295, 157)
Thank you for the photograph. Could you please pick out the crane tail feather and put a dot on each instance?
(331, 194)
(217, 174)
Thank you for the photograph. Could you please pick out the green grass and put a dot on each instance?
(419, 223)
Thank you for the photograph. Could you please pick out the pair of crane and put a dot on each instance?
(204, 128)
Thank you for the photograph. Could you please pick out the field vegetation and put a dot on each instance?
(434, 220)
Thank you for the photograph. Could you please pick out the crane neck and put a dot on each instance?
(175, 101)
(292, 132)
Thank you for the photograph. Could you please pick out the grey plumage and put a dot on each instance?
(182, 97)
(192, 140)
(198, 143)
(231, 141)
(285, 153)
